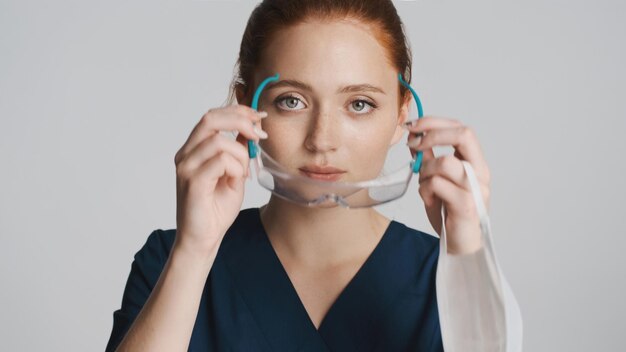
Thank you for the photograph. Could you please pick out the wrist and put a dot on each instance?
(198, 254)
(464, 248)
(463, 239)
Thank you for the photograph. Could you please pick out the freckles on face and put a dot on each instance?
(323, 122)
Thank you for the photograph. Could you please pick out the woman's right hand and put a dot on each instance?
(211, 170)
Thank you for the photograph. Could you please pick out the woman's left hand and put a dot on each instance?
(443, 180)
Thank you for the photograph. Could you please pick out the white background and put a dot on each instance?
(96, 98)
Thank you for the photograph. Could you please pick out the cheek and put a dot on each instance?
(283, 138)
(370, 146)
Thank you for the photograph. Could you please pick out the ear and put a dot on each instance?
(242, 99)
(403, 116)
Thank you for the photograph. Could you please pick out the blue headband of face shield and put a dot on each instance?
(306, 191)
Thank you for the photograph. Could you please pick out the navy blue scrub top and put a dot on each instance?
(249, 304)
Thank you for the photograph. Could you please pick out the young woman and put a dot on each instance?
(291, 277)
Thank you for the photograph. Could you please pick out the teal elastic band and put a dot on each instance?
(420, 113)
(252, 148)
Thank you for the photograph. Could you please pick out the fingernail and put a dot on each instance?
(414, 143)
(262, 134)
(411, 123)
(262, 114)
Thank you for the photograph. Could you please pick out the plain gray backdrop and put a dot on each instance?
(97, 97)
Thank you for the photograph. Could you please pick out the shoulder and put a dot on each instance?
(159, 243)
(247, 229)
(157, 246)
(413, 240)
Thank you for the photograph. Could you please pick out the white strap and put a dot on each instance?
(485, 226)
(478, 197)
(510, 325)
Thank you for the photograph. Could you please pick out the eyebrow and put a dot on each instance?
(364, 87)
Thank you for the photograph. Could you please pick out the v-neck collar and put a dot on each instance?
(356, 278)
(272, 299)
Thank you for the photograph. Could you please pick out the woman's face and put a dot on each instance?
(334, 113)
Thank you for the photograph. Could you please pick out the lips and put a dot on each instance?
(324, 173)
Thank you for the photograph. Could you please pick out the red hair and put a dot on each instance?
(270, 16)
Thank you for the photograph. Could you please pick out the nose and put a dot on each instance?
(323, 133)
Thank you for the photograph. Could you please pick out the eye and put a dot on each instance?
(291, 102)
(360, 105)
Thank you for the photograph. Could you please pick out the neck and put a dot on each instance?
(321, 237)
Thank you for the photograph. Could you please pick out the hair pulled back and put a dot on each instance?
(271, 16)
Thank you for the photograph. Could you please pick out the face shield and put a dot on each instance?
(391, 184)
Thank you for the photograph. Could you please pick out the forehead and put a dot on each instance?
(327, 55)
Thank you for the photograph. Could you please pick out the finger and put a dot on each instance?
(413, 136)
(429, 122)
(456, 199)
(432, 204)
(447, 166)
(238, 118)
(422, 126)
(244, 142)
(221, 165)
(241, 139)
(214, 145)
(231, 109)
(427, 154)
(464, 142)
(456, 176)
(232, 118)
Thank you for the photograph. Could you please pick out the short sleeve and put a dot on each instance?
(145, 270)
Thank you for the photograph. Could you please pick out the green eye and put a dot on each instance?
(291, 102)
(360, 106)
